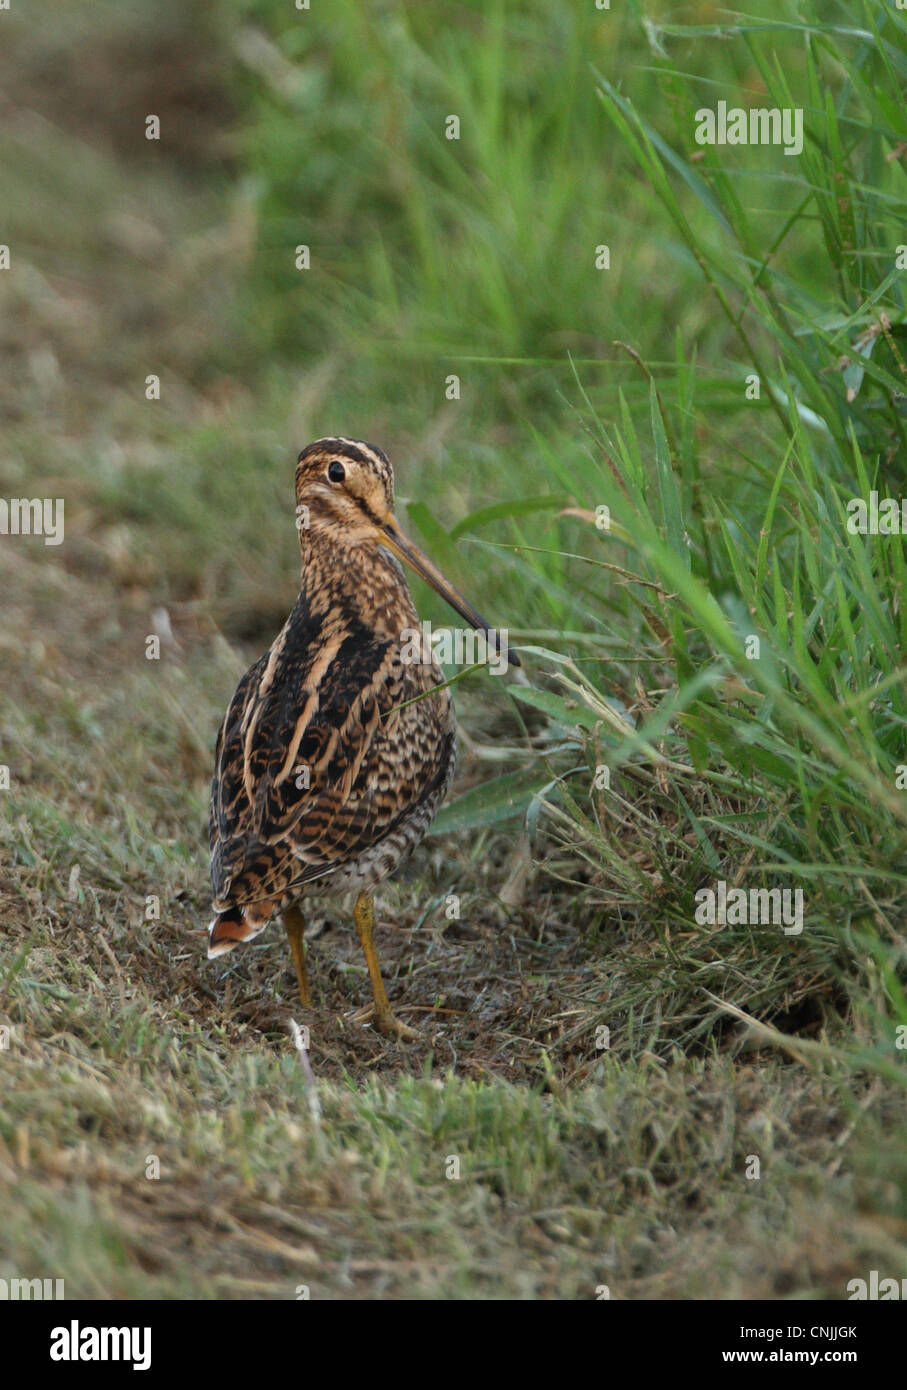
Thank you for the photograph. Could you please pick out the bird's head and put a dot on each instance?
(345, 496)
(344, 491)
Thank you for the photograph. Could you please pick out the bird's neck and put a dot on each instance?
(364, 580)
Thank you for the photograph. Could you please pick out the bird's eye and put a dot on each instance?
(336, 472)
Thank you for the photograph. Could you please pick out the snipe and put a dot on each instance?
(329, 766)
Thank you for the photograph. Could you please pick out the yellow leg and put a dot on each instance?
(294, 922)
(382, 1014)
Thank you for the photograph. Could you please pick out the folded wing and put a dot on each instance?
(316, 760)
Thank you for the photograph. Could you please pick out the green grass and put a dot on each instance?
(579, 389)
(626, 1182)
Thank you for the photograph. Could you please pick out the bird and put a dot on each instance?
(339, 744)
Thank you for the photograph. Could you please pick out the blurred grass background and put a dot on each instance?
(579, 388)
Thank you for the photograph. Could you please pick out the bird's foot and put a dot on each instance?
(386, 1022)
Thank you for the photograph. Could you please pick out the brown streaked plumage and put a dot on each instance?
(325, 776)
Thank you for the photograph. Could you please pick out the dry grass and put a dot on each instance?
(579, 1166)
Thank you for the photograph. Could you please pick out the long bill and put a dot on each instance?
(410, 554)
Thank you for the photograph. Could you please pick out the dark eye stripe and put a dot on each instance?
(336, 472)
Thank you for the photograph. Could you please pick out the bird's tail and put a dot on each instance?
(236, 925)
